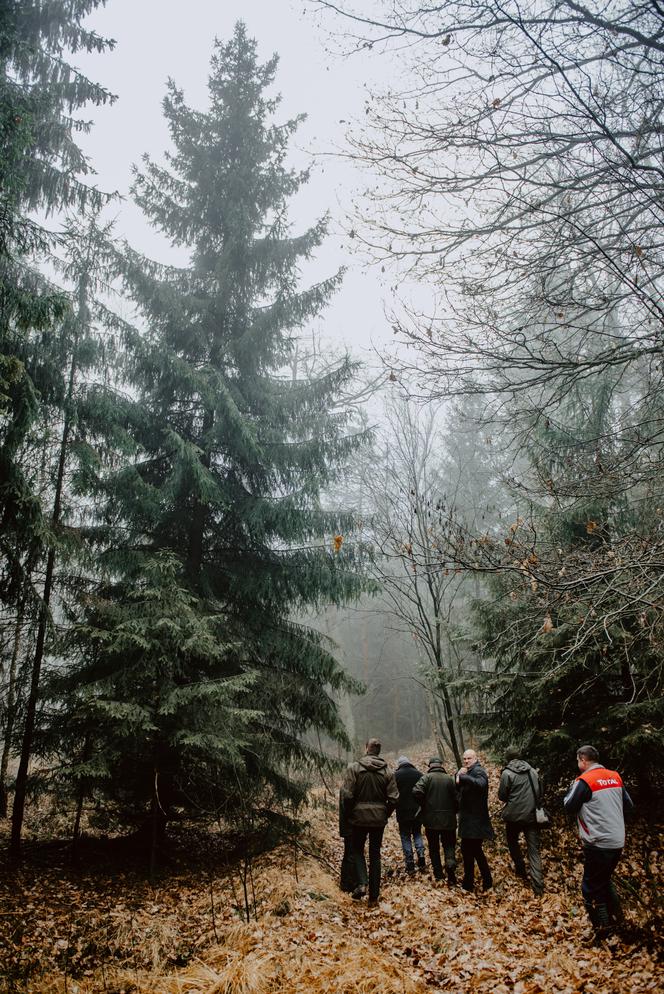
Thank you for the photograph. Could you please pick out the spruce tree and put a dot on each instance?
(73, 425)
(232, 455)
(560, 678)
(41, 169)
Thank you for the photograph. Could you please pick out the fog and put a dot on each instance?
(154, 43)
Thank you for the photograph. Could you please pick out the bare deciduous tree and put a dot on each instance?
(420, 478)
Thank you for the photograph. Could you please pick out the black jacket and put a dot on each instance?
(437, 795)
(345, 826)
(406, 777)
(474, 820)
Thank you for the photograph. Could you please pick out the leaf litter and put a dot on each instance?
(70, 936)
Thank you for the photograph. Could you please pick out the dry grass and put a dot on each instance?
(305, 937)
(358, 971)
(310, 949)
(241, 974)
(148, 944)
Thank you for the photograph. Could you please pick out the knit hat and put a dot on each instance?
(435, 760)
(403, 761)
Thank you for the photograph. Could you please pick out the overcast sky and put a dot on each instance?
(156, 39)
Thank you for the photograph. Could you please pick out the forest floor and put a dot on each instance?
(103, 929)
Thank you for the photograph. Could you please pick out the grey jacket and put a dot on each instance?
(518, 797)
(599, 800)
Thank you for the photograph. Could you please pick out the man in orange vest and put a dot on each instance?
(599, 801)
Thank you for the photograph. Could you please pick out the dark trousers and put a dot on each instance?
(472, 852)
(348, 876)
(598, 866)
(359, 839)
(513, 829)
(436, 836)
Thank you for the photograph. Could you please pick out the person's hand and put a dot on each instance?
(462, 770)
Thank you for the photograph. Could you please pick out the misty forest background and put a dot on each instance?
(230, 551)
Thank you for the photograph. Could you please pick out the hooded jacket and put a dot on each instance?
(437, 794)
(369, 792)
(516, 793)
(406, 777)
(474, 820)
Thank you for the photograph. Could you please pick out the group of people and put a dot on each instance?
(443, 805)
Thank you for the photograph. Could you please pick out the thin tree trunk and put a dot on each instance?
(76, 833)
(447, 704)
(11, 712)
(18, 809)
(449, 721)
(200, 512)
(435, 727)
(154, 834)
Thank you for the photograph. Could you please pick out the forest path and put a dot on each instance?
(118, 935)
(437, 938)
(423, 937)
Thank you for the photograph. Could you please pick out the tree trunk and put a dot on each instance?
(154, 835)
(11, 712)
(447, 704)
(200, 511)
(18, 809)
(76, 833)
(449, 721)
(435, 725)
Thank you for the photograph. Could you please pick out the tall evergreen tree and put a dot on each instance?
(41, 169)
(73, 411)
(232, 455)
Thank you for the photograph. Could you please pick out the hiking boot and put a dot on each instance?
(421, 863)
(615, 907)
(372, 902)
(603, 922)
(451, 878)
(359, 893)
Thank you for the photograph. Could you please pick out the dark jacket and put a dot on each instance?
(437, 795)
(370, 792)
(345, 827)
(474, 821)
(406, 777)
(516, 793)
